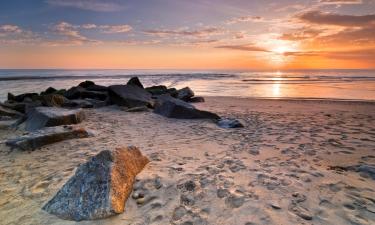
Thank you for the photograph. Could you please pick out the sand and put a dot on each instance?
(279, 169)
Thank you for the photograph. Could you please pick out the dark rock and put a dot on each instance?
(98, 95)
(185, 94)
(138, 109)
(41, 117)
(21, 97)
(86, 84)
(366, 170)
(22, 107)
(78, 103)
(53, 100)
(48, 91)
(157, 90)
(74, 92)
(190, 185)
(195, 99)
(46, 136)
(100, 187)
(173, 92)
(174, 108)
(9, 112)
(129, 96)
(97, 88)
(229, 123)
(135, 82)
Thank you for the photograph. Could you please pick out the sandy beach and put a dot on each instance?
(287, 166)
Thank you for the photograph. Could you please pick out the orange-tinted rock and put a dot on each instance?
(100, 187)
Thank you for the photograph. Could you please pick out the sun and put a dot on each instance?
(282, 49)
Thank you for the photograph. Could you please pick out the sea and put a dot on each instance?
(353, 85)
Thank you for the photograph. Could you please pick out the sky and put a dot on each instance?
(187, 34)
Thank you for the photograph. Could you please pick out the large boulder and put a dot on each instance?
(48, 91)
(157, 90)
(129, 96)
(99, 187)
(50, 116)
(86, 84)
(98, 95)
(22, 107)
(53, 100)
(96, 87)
(74, 92)
(185, 94)
(45, 136)
(136, 82)
(9, 112)
(174, 108)
(21, 97)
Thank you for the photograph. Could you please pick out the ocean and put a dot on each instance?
(296, 84)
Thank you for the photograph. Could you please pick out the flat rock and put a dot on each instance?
(9, 112)
(129, 96)
(6, 124)
(41, 117)
(229, 123)
(99, 187)
(45, 136)
(174, 108)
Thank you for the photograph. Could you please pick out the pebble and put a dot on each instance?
(190, 185)
(140, 201)
(187, 200)
(179, 212)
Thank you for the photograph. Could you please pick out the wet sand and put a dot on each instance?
(282, 168)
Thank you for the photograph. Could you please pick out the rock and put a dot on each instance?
(179, 212)
(190, 185)
(50, 116)
(367, 170)
(46, 136)
(187, 199)
(98, 95)
(74, 92)
(135, 82)
(195, 99)
(229, 123)
(129, 96)
(96, 87)
(78, 103)
(174, 108)
(137, 109)
(100, 187)
(53, 100)
(48, 91)
(302, 212)
(86, 84)
(157, 90)
(9, 112)
(6, 124)
(21, 97)
(185, 94)
(22, 107)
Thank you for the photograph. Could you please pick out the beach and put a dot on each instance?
(294, 162)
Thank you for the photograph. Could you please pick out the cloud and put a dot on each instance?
(68, 34)
(204, 32)
(365, 54)
(245, 19)
(341, 2)
(92, 5)
(333, 29)
(249, 48)
(13, 34)
(325, 18)
(115, 28)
